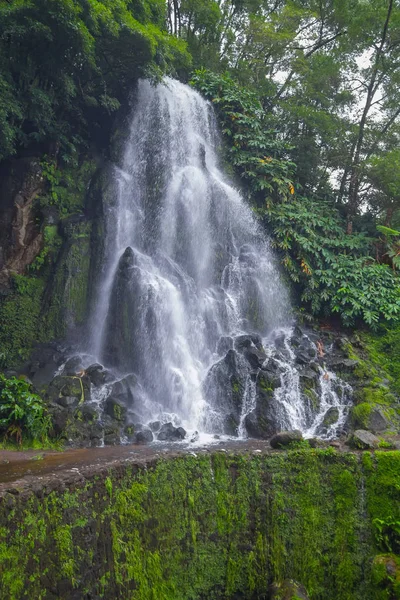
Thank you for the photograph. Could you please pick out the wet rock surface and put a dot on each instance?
(247, 387)
(363, 440)
(284, 439)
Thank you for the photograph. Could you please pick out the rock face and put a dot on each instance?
(377, 421)
(21, 181)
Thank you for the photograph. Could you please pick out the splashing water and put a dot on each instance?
(186, 272)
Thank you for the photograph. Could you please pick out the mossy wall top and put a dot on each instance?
(211, 526)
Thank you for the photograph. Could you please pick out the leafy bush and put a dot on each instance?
(334, 270)
(21, 411)
(254, 147)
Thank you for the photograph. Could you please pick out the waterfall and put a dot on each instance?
(190, 294)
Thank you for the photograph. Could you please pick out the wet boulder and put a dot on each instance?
(330, 418)
(363, 440)
(73, 366)
(377, 421)
(225, 384)
(224, 344)
(122, 389)
(343, 365)
(97, 375)
(155, 426)
(245, 341)
(231, 423)
(123, 319)
(112, 435)
(45, 360)
(68, 401)
(284, 439)
(115, 409)
(78, 387)
(259, 425)
(306, 351)
(145, 436)
(170, 433)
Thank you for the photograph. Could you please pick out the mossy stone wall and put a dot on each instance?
(210, 527)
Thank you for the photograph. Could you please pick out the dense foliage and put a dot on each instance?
(22, 412)
(65, 66)
(334, 272)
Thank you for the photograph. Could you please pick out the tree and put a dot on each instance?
(67, 65)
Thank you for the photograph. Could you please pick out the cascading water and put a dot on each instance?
(190, 295)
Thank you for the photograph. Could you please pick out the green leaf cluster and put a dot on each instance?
(333, 271)
(21, 411)
(254, 147)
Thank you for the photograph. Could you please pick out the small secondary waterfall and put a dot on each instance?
(190, 295)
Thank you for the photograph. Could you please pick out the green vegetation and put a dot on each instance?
(67, 66)
(211, 527)
(333, 272)
(22, 413)
(19, 317)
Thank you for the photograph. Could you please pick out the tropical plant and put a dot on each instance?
(22, 413)
(392, 242)
(254, 147)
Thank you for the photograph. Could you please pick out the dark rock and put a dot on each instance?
(73, 366)
(169, 433)
(343, 365)
(224, 344)
(122, 390)
(271, 371)
(257, 426)
(144, 437)
(297, 336)
(331, 416)
(363, 440)
(68, 401)
(306, 351)
(377, 421)
(112, 439)
(155, 426)
(115, 409)
(97, 374)
(225, 384)
(285, 438)
(89, 413)
(335, 444)
(288, 590)
(255, 357)
(246, 341)
(231, 424)
(308, 378)
(68, 386)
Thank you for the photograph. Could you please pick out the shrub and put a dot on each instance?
(21, 411)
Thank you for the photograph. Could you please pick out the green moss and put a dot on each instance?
(360, 415)
(19, 319)
(374, 386)
(209, 527)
